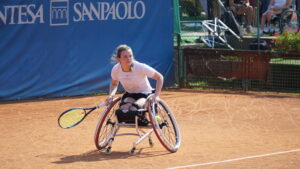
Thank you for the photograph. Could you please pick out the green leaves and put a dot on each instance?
(288, 42)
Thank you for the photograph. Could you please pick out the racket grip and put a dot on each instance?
(100, 105)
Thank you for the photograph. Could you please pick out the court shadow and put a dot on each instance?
(96, 155)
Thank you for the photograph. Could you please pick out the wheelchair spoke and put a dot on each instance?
(167, 129)
(106, 127)
(108, 130)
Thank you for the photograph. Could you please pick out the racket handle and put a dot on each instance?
(100, 105)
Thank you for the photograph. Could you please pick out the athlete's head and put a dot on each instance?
(122, 54)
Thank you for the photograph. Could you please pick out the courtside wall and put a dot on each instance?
(54, 48)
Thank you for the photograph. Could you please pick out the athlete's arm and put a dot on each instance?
(159, 83)
(113, 87)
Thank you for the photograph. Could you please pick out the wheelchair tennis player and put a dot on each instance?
(133, 76)
(132, 108)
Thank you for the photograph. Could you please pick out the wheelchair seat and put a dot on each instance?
(130, 117)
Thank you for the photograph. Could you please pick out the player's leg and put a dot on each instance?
(126, 103)
(138, 104)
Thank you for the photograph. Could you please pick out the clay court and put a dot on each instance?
(219, 130)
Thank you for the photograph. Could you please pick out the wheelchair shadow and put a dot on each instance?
(96, 155)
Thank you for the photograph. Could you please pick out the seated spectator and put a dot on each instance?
(275, 7)
(254, 4)
(210, 8)
(264, 6)
(243, 7)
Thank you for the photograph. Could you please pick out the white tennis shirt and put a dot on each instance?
(135, 81)
(279, 3)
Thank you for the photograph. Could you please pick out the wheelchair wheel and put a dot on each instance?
(164, 125)
(107, 125)
(289, 21)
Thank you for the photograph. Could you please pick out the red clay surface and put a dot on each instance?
(215, 126)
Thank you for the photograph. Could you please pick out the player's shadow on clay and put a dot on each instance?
(96, 155)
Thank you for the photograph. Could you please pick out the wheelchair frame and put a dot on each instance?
(165, 128)
(282, 20)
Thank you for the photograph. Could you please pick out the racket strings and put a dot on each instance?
(72, 118)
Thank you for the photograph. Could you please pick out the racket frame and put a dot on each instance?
(87, 111)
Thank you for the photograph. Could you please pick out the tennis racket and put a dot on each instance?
(74, 116)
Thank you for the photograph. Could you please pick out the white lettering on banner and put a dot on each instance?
(22, 14)
(59, 12)
(105, 11)
(125, 10)
(142, 5)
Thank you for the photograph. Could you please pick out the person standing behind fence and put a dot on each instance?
(241, 7)
(275, 7)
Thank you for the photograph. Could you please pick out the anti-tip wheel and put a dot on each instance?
(151, 143)
(132, 151)
(108, 150)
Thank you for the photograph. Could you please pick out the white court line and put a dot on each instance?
(235, 159)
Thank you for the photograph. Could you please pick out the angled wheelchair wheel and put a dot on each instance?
(289, 21)
(164, 125)
(107, 125)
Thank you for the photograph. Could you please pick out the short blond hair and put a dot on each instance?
(119, 50)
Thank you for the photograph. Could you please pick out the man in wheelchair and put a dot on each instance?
(133, 76)
(275, 7)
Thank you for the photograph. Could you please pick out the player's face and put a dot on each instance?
(126, 58)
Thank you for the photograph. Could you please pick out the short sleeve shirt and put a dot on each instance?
(135, 81)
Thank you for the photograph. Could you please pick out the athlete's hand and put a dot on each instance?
(156, 99)
(108, 100)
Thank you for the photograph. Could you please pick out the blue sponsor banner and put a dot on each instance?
(54, 48)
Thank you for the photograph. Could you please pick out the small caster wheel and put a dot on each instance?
(151, 143)
(108, 150)
(132, 151)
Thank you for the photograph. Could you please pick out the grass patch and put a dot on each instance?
(285, 61)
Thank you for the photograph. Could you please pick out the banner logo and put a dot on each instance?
(62, 13)
(59, 12)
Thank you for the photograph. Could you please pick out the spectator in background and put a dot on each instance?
(212, 9)
(254, 4)
(264, 6)
(241, 7)
(275, 7)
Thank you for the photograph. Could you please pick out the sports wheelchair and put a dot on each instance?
(287, 20)
(156, 117)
